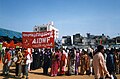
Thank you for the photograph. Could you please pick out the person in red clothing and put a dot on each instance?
(63, 63)
(55, 63)
(6, 62)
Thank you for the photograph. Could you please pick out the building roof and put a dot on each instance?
(9, 33)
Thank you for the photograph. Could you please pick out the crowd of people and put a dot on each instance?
(100, 61)
(20, 58)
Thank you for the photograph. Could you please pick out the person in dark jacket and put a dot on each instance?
(41, 59)
(46, 61)
(110, 62)
(36, 59)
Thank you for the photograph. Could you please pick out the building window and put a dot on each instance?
(35, 29)
(45, 28)
(41, 29)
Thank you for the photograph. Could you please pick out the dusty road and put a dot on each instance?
(37, 74)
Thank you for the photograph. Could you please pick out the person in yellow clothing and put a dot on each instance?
(18, 63)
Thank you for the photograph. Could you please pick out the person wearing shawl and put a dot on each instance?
(63, 63)
(99, 65)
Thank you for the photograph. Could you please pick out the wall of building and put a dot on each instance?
(46, 27)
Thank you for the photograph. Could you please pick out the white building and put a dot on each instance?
(46, 27)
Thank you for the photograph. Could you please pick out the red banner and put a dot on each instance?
(38, 39)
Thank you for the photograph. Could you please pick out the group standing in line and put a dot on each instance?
(73, 61)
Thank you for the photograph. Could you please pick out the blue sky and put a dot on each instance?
(69, 16)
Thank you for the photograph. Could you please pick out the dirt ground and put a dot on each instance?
(37, 74)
